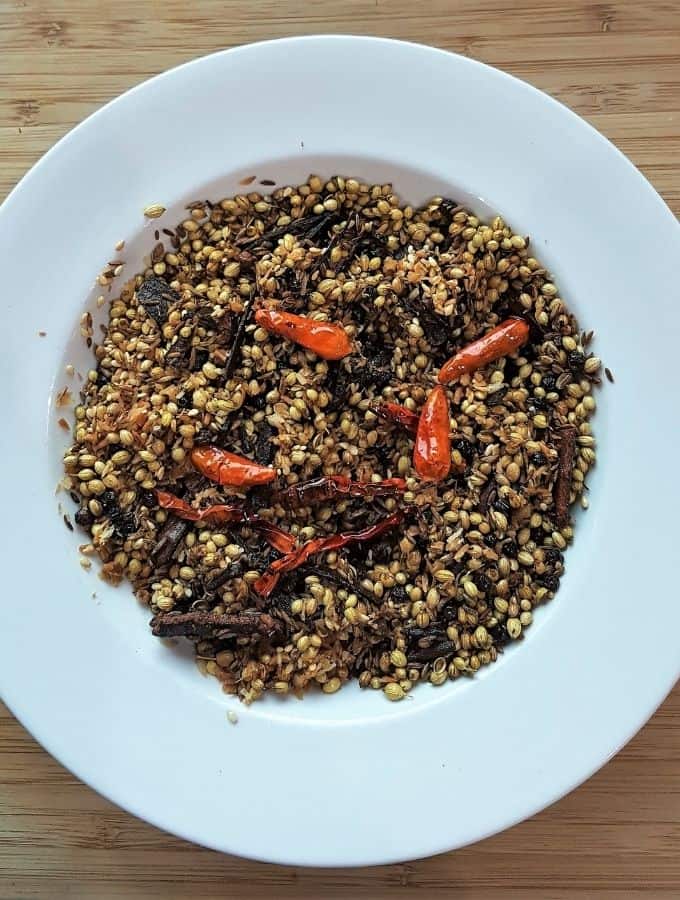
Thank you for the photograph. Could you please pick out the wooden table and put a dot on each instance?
(615, 63)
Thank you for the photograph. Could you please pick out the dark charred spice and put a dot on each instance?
(206, 436)
(483, 582)
(156, 296)
(265, 448)
(184, 400)
(68, 522)
(437, 328)
(435, 650)
(552, 556)
(308, 227)
(338, 384)
(237, 342)
(510, 548)
(124, 522)
(381, 552)
(103, 376)
(398, 594)
(465, 448)
(147, 499)
(499, 635)
(575, 360)
(171, 536)
(502, 506)
(84, 518)
(551, 582)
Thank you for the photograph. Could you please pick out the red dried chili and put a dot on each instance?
(502, 340)
(432, 451)
(327, 339)
(228, 468)
(220, 513)
(266, 583)
(328, 487)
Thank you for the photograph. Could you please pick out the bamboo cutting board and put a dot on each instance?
(615, 63)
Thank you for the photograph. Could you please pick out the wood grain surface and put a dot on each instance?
(618, 65)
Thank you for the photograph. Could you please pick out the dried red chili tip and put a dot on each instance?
(219, 513)
(393, 412)
(215, 514)
(326, 339)
(278, 538)
(500, 341)
(266, 583)
(228, 468)
(432, 451)
(328, 487)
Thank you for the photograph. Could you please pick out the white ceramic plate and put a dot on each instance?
(348, 779)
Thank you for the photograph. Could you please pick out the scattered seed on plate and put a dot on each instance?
(154, 211)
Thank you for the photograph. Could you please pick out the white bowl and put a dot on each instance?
(348, 779)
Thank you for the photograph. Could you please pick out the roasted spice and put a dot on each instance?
(266, 500)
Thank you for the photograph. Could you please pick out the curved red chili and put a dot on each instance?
(502, 340)
(219, 513)
(326, 339)
(266, 583)
(215, 514)
(432, 451)
(328, 487)
(228, 468)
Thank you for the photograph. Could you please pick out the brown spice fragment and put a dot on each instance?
(64, 424)
(204, 624)
(565, 465)
(173, 532)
